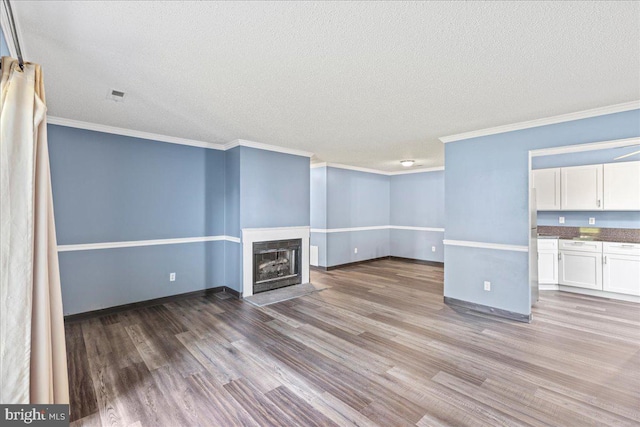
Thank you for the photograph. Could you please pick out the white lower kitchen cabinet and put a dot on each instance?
(580, 264)
(548, 268)
(621, 268)
(548, 261)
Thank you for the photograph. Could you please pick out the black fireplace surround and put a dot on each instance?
(276, 264)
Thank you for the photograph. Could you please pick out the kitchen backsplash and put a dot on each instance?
(622, 235)
(604, 219)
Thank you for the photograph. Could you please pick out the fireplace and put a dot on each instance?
(270, 235)
(276, 264)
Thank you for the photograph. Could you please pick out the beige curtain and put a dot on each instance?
(33, 364)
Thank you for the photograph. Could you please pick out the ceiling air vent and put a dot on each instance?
(116, 95)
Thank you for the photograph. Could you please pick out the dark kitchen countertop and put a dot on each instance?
(617, 235)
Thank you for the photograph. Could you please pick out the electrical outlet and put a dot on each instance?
(355, 250)
(433, 248)
(592, 221)
(172, 277)
(561, 220)
(487, 285)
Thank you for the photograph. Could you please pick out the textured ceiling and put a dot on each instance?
(360, 83)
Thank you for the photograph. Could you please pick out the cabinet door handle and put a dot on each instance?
(559, 256)
(604, 260)
(599, 202)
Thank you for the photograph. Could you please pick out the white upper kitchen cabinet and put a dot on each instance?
(582, 188)
(547, 185)
(622, 186)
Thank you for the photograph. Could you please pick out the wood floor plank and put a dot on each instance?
(220, 406)
(121, 344)
(297, 409)
(152, 354)
(134, 383)
(338, 386)
(264, 411)
(376, 348)
(92, 420)
(82, 394)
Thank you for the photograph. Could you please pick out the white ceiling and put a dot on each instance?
(359, 83)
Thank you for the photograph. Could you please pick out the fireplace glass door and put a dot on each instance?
(276, 264)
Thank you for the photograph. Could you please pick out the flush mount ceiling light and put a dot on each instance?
(407, 163)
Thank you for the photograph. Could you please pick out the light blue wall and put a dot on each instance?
(343, 198)
(233, 265)
(319, 197)
(417, 244)
(612, 219)
(581, 219)
(4, 49)
(356, 199)
(110, 188)
(506, 270)
(232, 192)
(232, 250)
(274, 189)
(319, 212)
(97, 279)
(370, 243)
(417, 200)
(486, 200)
(320, 240)
(263, 189)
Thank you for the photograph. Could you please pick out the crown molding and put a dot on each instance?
(617, 143)
(434, 169)
(376, 227)
(60, 121)
(267, 147)
(376, 171)
(618, 108)
(355, 168)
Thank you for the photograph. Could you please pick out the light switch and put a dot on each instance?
(561, 220)
(592, 221)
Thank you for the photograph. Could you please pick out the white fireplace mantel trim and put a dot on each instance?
(251, 235)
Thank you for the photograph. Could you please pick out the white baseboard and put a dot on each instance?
(591, 292)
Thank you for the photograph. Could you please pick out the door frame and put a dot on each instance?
(564, 149)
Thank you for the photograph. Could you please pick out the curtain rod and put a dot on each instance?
(14, 33)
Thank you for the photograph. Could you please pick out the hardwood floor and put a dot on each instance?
(378, 347)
